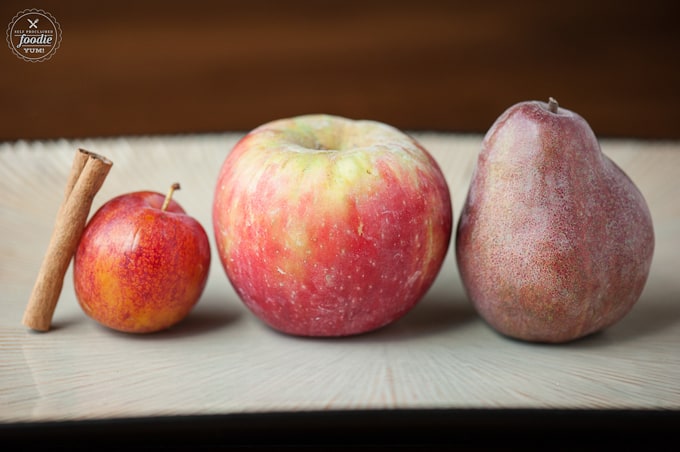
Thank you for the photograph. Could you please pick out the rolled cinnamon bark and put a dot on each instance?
(88, 172)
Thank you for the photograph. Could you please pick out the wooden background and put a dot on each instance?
(163, 67)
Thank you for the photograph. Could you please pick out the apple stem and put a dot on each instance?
(168, 197)
(552, 105)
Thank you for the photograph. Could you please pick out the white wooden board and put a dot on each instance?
(222, 360)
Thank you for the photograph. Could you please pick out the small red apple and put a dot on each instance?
(142, 263)
(328, 226)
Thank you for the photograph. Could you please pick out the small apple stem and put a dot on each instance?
(552, 105)
(168, 197)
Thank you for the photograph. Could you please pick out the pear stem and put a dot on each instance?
(168, 197)
(552, 105)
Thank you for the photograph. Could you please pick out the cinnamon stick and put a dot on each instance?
(87, 175)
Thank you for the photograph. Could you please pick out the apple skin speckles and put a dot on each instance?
(139, 269)
(327, 226)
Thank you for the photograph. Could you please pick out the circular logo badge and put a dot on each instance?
(34, 35)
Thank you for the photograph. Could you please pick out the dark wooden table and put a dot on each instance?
(158, 67)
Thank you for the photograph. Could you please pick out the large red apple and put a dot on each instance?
(141, 264)
(328, 226)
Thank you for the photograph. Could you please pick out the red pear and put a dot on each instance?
(555, 241)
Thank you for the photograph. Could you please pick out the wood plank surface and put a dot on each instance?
(158, 67)
(222, 360)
